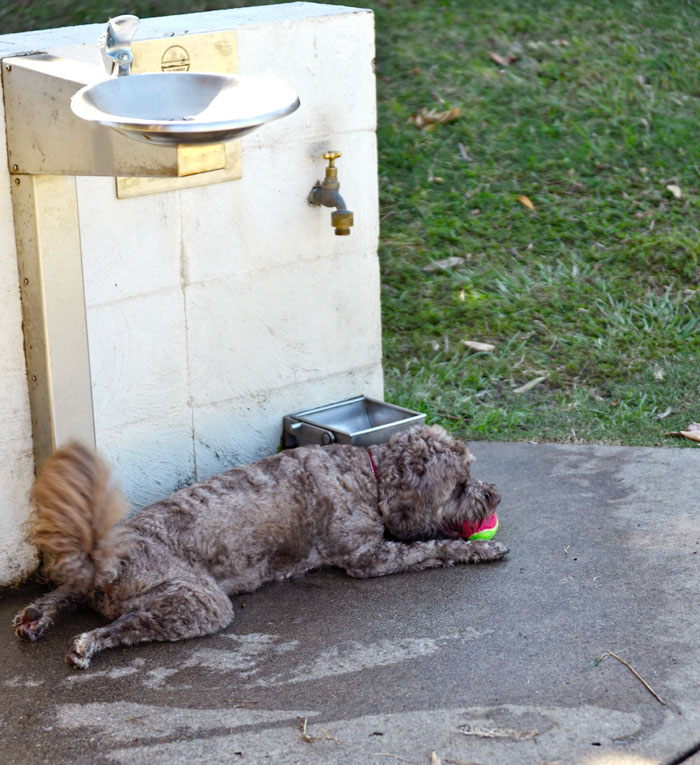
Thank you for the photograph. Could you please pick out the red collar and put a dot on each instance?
(371, 464)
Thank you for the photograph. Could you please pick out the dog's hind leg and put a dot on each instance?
(395, 557)
(182, 611)
(33, 621)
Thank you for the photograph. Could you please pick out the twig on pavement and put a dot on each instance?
(637, 675)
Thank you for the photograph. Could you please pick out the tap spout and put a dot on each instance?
(328, 197)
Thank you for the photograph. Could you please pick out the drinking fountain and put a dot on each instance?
(167, 114)
(178, 107)
(185, 116)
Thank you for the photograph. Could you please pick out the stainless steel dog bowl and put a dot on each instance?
(359, 421)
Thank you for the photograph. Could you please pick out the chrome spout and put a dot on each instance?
(115, 44)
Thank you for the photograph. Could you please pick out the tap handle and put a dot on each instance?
(331, 156)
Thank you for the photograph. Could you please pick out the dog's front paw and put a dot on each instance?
(487, 550)
(31, 624)
(499, 550)
(80, 652)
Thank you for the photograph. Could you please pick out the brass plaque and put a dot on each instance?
(208, 52)
(197, 165)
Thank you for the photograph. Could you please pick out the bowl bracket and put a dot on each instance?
(44, 137)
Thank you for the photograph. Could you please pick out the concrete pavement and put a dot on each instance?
(489, 664)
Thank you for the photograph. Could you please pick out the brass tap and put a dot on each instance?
(327, 193)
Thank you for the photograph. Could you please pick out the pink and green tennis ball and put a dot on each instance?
(484, 530)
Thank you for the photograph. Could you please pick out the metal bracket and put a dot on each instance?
(53, 306)
(302, 433)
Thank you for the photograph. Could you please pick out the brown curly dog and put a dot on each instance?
(167, 572)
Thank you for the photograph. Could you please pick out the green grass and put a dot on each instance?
(597, 289)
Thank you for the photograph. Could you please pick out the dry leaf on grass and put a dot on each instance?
(475, 345)
(498, 59)
(530, 385)
(516, 735)
(675, 190)
(692, 432)
(526, 202)
(502, 60)
(451, 262)
(428, 118)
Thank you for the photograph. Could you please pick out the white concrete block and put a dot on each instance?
(212, 312)
(284, 325)
(60, 41)
(264, 219)
(14, 413)
(17, 558)
(150, 459)
(130, 246)
(246, 429)
(12, 357)
(325, 52)
(329, 61)
(138, 361)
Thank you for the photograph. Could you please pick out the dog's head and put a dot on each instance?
(425, 490)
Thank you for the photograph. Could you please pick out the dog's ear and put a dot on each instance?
(422, 465)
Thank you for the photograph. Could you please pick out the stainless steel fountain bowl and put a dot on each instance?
(185, 107)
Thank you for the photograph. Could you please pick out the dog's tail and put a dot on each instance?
(78, 508)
